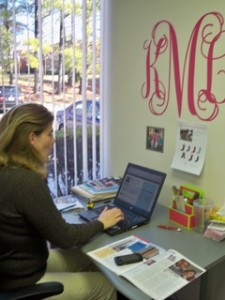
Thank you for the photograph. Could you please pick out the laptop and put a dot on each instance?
(136, 197)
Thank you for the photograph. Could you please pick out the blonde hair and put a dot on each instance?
(15, 127)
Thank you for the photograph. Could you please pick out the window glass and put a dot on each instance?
(50, 54)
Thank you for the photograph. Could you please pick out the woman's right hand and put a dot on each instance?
(110, 217)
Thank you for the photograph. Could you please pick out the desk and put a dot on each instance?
(205, 252)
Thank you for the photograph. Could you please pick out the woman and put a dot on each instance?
(189, 274)
(29, 218)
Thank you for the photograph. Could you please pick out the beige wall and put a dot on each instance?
(129, 24)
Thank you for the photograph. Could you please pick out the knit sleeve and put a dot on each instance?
(35, 203)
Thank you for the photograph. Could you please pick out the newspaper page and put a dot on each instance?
(163, 275)
(159, 275)
(105, 255)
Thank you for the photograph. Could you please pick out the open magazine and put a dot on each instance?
(160, 274)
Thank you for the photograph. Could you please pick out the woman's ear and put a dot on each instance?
(32, 138)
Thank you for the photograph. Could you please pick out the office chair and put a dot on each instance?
(34, 292)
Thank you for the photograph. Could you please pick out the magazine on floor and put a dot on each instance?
(160, 274)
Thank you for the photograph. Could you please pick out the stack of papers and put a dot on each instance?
(67, 203)
(215, 231)
(99, 189)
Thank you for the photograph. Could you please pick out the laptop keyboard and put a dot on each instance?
(130, 217)
(94, 213)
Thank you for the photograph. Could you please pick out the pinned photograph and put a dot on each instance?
(155, 138)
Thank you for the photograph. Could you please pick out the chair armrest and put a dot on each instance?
(34, 292)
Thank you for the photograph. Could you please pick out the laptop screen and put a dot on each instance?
(140, 189)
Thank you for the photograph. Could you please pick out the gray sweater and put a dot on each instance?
(29, 218)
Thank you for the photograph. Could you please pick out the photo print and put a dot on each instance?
(155, 138)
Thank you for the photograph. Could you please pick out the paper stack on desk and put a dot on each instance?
(99, 189)
(216, 228)
(215, 231)
(68, 203)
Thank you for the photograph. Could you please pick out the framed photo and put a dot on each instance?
(155, 138)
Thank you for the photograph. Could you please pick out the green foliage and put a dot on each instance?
(31, 55)
(30, 51)
(68, 59)
(8, 9)
(66, 5)
(5, 42)
(65, 145)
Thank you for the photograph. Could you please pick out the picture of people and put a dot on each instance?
(188, 274)
(155, 138)
(182, 264)
(184, 269)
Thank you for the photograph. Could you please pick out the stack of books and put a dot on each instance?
(98, 189)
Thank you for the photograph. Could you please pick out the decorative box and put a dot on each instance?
(185, 218)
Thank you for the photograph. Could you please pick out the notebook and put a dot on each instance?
(137, 197)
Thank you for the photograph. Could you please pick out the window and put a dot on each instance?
(50, 54)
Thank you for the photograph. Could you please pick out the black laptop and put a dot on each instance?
(136, 197)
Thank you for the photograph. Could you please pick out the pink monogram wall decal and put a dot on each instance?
(206, 45)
